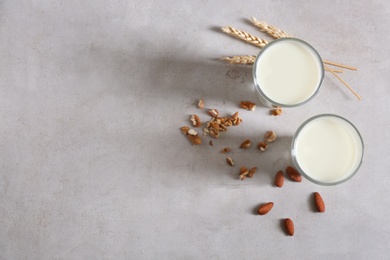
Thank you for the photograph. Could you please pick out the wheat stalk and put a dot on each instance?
(249, 38)
(339, 65)
(243, 60)
(273, 31)
(342, 81)
(337, 71)
(250, 59)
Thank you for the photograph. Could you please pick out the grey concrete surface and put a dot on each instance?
(92, 162)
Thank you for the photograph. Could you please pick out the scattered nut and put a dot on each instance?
(211, 143)
(320, 205)
(277, 111)
(243, 169)
(279, 179)
(262, 146)
(225, 150)
(201, 103)
(222, 128)
(230, 161)
(213, 128)
(228, 122)
(220, 124)
(192, 135)
(195, 120)
(269, 137)
(184, 129)
(248, 105)
(252, 172)
(245, 144)
(214, 125)
(192, 132)
(195, 139)
(243, 173)
(264, 209)
(235, 115)
(214, 113)
(214, 133)
(236, 120)
(289, 226)
(293, 174)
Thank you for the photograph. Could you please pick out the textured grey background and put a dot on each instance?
(92, 162)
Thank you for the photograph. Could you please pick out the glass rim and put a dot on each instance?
(273, 102)
(295, 161)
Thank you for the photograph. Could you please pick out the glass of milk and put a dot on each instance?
(327, 149)
(287, 72)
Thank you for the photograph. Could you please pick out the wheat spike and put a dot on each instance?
(243, 60)
(249, 38)
(273, 31)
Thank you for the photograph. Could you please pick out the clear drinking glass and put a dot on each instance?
(327, 149)
(287, 72)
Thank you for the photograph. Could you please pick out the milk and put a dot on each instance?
(328, 149)
(287, 72)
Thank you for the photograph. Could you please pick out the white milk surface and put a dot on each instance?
(288, 72)
(328, 149)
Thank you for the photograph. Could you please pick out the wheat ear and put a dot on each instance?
(273, 31)
(249, 38)
(243, 60)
